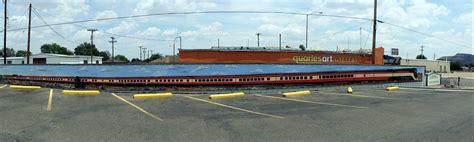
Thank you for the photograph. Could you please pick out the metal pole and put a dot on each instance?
(5, 35)
(307, 16)
(92, 44)
(140, 52)
(218, 44)
(29, 36)
(374, 32)
(174, 53)
(144, 53)
(113, 41)
(258, 39)
(360, 38)
(280, 41)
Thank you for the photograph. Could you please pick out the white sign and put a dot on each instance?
(433, 79)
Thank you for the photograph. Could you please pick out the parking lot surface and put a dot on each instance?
(366, 115)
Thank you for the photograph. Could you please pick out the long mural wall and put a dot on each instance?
(183, 69)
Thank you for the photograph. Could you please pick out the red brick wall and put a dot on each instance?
(208, 56)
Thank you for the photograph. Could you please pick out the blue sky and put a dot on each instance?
(450, 20)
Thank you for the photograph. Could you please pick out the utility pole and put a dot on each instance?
(113, 41)
(5, 35)
(374, 32)
(218, 44)
(280, 41)
(258, 39)
(422, 49)
(347, 42)
(144, 53)
(29, 36)
(92, 43)
(140, 51)
(360, 38)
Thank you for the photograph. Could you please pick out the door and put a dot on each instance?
(39, 60)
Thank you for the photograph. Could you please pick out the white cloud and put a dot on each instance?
(106, 14)
(169, 32)
(124, 27)
(151, 32)
(157, 6)
(209, 30)
(465, 18)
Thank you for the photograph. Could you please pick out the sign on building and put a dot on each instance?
(394, 51)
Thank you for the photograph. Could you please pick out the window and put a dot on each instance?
(85, 61)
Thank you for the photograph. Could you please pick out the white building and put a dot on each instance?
(13, 60)
(430, 65)
(46, 58)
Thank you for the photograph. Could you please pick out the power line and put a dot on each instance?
(425, 34)
(197, 12)
(340, 31)
(118, 35)
(44, 21)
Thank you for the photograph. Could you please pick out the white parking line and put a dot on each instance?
(444, 90)
(363, 96)
(313, 102)
(232, 107)
(136, 107)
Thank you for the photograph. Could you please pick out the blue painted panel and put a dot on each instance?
(182, 69)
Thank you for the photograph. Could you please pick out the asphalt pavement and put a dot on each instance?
(408, 114)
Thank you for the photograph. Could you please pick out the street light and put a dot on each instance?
(307, 17)
(174, 42)
(258, 39)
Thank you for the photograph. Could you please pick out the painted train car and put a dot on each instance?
(398, 75)
(212, 74)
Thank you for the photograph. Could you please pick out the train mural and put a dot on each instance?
(209, 74)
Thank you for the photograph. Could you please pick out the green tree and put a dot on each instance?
(105, 55)
(21, 53)
(154, 57)
(55, 49)
(10, 52)
(136, 60)
(421, 56)
(121, 58)
(456, 65)
(85, 49)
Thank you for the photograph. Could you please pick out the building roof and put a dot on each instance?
(13, 58)
(423, 60)
(273, 49)
(63, 56)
